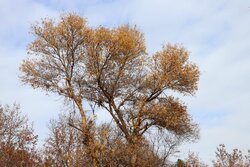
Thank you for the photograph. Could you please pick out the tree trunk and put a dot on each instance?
(88, 137)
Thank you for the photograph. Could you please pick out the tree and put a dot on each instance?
(193, 160)
(17, 139)
(111, 69)
(180, 163)
(234, 159)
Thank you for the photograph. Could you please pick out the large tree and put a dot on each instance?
(110, 68)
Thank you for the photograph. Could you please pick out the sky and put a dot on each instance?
(217, 34)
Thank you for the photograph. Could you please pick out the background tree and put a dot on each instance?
(226, 159)
(17, 139)
(110, 68)
(193, 160)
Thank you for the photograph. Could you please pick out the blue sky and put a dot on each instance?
(217, 33)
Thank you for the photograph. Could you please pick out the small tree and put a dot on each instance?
(110, 68)
(234, 159)
(193, 160)
(17, 139)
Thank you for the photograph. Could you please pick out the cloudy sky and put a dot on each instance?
(217, 33)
